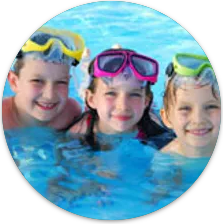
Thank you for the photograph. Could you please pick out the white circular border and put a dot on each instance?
(202, 203)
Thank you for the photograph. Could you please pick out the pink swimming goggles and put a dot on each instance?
(112, 62)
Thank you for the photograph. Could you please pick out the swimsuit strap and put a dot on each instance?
(141, 135)
(88, 121)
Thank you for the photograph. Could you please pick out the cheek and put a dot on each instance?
(179, 120)
(137, 104)
(216, 118)
(32, 90)
(109, 101)
(108, 104)
(62, 90)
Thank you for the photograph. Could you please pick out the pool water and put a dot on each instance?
(128, 179)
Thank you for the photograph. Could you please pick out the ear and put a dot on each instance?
(147, 101)
(90, 98)
(13, 81)
(165, 119)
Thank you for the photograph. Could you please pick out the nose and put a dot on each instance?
(198, 115)
(48, 91)
(122, 103)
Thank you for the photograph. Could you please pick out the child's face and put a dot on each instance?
(195, 117)
(120, 104)
(41, 89)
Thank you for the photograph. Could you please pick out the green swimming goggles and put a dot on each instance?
(188, 65)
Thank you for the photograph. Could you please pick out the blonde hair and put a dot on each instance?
(206, 77)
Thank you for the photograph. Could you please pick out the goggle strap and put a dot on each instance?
(75, 62)
(19, 55)
(170, 70)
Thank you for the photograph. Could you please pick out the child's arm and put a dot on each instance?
(8, 119)
(79, 128)
(172, 147)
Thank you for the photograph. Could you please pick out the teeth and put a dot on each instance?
(199, 132)
(46, 105)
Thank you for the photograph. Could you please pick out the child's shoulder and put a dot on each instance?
(172, 147)
(6, 102)
(80, 127)
(7, 114)
(73, 107)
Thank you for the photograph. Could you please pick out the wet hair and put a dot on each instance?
(146, 124)
(18, 66)
(206, 77)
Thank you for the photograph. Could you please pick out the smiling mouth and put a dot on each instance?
(46, 106)
(122, 118)
(199, 132)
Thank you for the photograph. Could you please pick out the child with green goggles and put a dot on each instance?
(40, 81)
(192, 106)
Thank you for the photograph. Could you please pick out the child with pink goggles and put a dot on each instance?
(112, 62)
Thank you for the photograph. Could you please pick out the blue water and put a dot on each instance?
(128, 179)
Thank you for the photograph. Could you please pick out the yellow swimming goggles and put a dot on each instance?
(185, 64)
(71, 44)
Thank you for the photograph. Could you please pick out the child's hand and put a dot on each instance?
(86, 54)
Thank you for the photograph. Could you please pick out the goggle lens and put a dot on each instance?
(110, 63)
(144, 66)
(191, 62)
(113, 62)
(43, 38)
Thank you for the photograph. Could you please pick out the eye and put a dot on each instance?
(37, 81)
(63, 82)
(135, 95)
(111, 93)
(184, 108)
(211, 107)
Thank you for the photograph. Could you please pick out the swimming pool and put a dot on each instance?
(128, 181)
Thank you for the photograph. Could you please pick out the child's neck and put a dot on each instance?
(99, 129)
(195, 152)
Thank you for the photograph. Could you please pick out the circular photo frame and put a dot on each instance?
(113, 113)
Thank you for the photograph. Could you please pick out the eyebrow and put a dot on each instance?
(183, 102)
(37, 75)
(115, 88)
(207, 102)
(213, 101)
(137, 90)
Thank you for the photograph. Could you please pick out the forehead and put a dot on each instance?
(196, 95)
(47, 69)
(122, 81)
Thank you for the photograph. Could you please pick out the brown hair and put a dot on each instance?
(18, 65)
(202, 79)
(169, 95)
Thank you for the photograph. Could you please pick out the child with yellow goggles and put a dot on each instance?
(46, 40)
(40, 81)
(192, 106)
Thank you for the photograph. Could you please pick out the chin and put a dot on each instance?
(124, 130)
(44, 119)
(202, 145)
